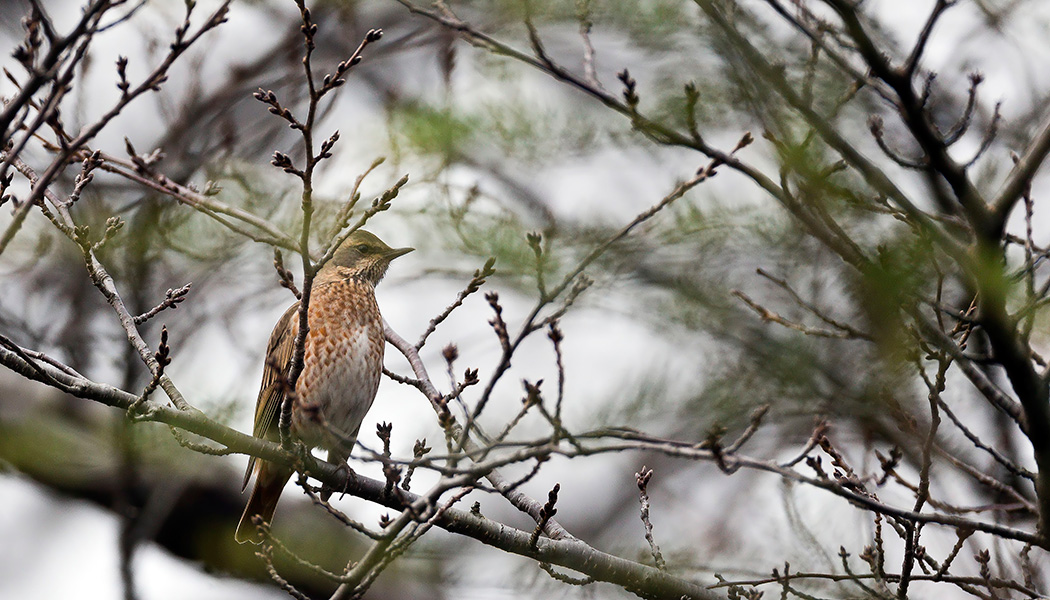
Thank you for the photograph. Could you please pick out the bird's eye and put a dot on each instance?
(362, 248)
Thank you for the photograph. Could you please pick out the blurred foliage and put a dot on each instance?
(439, 132)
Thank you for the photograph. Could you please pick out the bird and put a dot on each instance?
(342, 366)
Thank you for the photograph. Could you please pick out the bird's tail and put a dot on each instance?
(263, 501)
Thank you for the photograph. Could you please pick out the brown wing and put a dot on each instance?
(278, 356)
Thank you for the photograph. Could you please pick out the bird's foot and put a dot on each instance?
(303, 457)
(348, 476)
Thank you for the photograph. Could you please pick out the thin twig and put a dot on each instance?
(642, 479)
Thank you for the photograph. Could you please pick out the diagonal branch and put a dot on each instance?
(1021, 175)
(912, 62)
(915, 116)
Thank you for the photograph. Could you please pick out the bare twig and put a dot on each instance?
(478, 280)
(642, 478)
(546, 513)
(911, 64)
(172, 299)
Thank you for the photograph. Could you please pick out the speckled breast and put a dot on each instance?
(342, 365)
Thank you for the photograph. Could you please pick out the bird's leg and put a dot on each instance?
(302, 456)
(338, 460)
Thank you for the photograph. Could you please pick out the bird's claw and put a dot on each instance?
(302, 455)
(348, 476)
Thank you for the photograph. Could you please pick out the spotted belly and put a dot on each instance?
(342, 367)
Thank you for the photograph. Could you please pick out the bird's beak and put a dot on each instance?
(396, 252)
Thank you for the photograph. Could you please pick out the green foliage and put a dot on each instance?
(654, 24)
(889, 288)
(529, 132)
(426, 130)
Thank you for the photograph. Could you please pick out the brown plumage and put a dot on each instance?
(342, 366)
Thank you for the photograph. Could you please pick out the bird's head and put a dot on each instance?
(362, 255)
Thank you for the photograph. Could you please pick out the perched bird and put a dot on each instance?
(342, 366)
